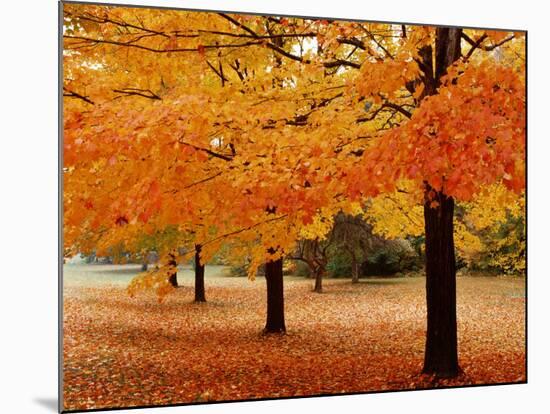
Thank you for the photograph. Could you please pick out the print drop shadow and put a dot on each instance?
(49, 403)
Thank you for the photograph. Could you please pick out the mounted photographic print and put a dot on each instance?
(262, 206)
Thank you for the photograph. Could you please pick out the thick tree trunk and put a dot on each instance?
(318, 281)
(441, 356)
(275, 297)
(199, 276)
(173, 278)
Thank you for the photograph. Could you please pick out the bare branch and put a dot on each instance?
(492, 47)
(477, 43)
(96, 19)
(235, 67)
(238, 24)
(256, 36)
(130, 43)
(352, 41)
(146, 93)
(373, 38)
(218, 72)
(72, 94)
(207, 150)
(341, 62)
(270, 45)
(385, 105)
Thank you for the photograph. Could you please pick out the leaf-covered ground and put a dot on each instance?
(120, 351)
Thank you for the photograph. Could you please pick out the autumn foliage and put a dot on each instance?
(354, 338)
(213, 131)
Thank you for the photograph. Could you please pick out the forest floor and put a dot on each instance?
(122, 351)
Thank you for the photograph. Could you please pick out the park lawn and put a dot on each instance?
(122, 351)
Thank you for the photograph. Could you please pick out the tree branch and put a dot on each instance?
(475, 44)
(385, 105)
(352, 41)
(371, 35)
(235, 67)
(219, 73)
(72, 94)
(150, 49)
(492, 47)
(238, 24)
(341, 62)
(96, 19)
(208, 151)
(244, 229)
(256, 36)
(146, 93)
(270, 45)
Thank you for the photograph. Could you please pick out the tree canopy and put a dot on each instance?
(212, 121)
(260, 129)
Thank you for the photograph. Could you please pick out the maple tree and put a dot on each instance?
(259, 127)
(301, 202)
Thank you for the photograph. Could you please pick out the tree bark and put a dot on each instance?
(354, 272)
(275, 297)
(354, 265)
(173, 278)
(441, 355)
(318, 281)
(447, 50)
(200, 295)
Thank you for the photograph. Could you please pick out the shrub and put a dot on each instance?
(339, 266)
(302, 269)
(394, 256)
(238, 270)
(504, 249)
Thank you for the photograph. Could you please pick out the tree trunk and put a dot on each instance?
(173, 278)
(354, 272)
(441, 356)
(199, 276)
(144, 266)
(275, 297)
(354, 266)
(318, 281)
